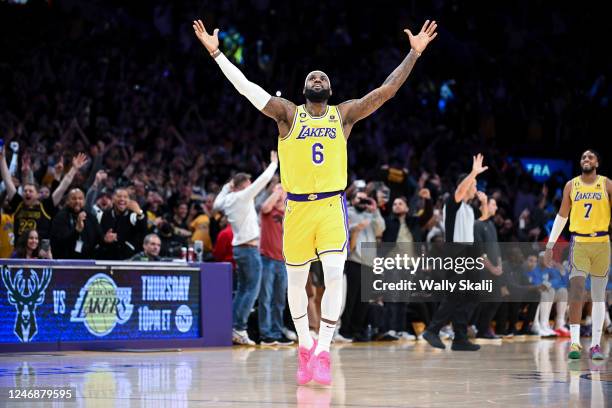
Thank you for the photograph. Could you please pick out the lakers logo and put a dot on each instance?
(101, 305)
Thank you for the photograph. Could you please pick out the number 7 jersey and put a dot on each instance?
(590, 211)
(313, 155)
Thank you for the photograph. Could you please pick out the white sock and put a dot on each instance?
(331, 303)
(326, 334)
(598, 313)
(297, 276)
(575, 333)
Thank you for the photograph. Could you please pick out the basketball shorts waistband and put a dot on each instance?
(592, 235)
(313, 196)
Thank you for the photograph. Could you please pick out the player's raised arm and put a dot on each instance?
(278, 109)
(357, 109)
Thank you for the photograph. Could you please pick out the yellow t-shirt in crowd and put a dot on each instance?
(7, 237)
(201, 231)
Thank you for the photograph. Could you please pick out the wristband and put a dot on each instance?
(215, 53)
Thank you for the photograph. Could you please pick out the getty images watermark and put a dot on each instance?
(410, 264)
(486, 272)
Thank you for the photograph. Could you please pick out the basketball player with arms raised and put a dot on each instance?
(313, 157)
(586, 200)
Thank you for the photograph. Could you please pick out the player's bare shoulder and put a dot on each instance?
(280, 109)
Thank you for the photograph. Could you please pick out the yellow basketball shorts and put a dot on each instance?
(313, 227)
(589, 256)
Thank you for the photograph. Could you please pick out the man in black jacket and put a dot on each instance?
(123, 226)
(407, 232)
(75, 233)
(401, 218)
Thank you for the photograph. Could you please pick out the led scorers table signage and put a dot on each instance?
(65, 303)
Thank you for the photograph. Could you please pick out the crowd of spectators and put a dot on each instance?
(117, 126)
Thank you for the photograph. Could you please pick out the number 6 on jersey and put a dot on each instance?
(317, 153)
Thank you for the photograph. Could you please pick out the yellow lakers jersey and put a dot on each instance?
(590, 211)
(313, 154)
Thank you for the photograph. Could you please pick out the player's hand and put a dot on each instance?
(548, 253)
(477, 166)
(274, 157)
(428, 33)
(210, 42)
(278, 189)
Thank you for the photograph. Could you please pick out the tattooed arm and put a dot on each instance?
(357, 109)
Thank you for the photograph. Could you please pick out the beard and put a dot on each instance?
(588, 170)
(317, 96)
(360, 208)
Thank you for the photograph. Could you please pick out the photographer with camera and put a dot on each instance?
(366, 224)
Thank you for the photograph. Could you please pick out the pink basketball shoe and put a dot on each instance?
(304, 374)
(320, 366)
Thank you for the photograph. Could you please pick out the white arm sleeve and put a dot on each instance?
(253, 92)
(558, 226)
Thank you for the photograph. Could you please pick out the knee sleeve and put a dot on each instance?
(333, 270)
(297, 276)
(598, 288)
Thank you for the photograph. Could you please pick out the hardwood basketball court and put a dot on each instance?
(400, 374)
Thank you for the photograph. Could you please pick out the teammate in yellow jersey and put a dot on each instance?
(313, 159)
(586, 200)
